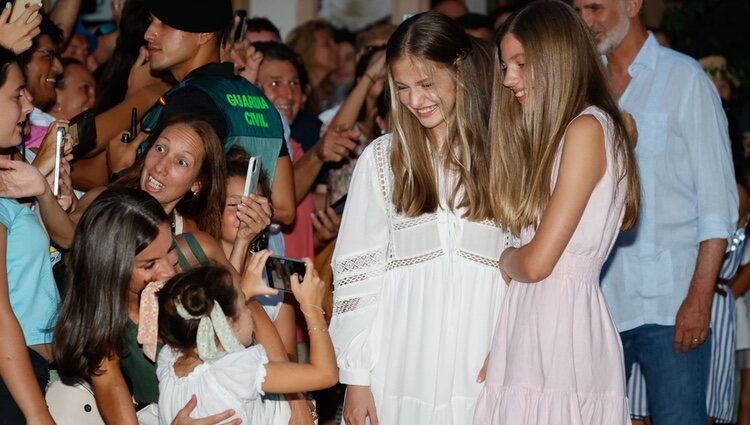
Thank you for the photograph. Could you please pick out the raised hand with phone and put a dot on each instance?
(17, 30)
(251, 281)
(122, 155)
(247, 214)
(52, 159)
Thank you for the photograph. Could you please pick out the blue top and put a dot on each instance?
(689, 194)
(31, 286)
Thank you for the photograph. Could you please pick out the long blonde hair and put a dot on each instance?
(563, 76)
(431, 41)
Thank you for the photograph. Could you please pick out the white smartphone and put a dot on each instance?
(253, 174)
(59, 146)
(19, 6)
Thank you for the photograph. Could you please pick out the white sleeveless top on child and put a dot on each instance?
(232, 382)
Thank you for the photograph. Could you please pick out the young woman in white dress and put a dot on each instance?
(417, 289)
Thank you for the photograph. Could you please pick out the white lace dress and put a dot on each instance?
(415, 300)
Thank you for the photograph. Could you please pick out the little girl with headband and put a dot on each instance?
(206, 325)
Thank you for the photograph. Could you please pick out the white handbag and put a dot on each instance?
(72, 405)
(76, 405)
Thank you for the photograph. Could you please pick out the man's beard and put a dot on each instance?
(614, 37)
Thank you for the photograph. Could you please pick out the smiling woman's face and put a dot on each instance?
(429, 96)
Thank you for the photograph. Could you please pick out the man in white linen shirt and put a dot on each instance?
(659, 280)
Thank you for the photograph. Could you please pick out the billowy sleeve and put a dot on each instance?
(358, 268)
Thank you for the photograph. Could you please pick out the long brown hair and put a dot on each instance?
(205, 208)
(94, 310)
(432, 41)
(564, 75)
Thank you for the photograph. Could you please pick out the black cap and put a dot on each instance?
(193, 15)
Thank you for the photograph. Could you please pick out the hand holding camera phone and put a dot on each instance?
(279, 271)
(251, 281)
(20, 6)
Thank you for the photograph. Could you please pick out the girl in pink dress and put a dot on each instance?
(566, 182)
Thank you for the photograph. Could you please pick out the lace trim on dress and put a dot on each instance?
(359, 267)
(381, 160)
(410, 222)
(357, 278)
(351, 304)
(494, 263)
(488, 222)
(404, 262)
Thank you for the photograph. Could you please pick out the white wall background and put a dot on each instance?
(283, 13)
(351, 13)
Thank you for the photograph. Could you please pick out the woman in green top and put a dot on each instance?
(123, 241)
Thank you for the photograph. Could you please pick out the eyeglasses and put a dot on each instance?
(50, 54)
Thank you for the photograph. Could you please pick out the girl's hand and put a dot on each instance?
(183, 416)
(359, 404)
(251, 281)
(311, 290)
(17, 35)
(20, 180)
(66, 196)
(483, 371)
(45, 156)
(501, 262)
(506, 277)
(254, 213)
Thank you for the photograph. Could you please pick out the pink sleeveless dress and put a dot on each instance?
(556, 355)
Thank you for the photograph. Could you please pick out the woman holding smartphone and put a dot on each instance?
(417, 289)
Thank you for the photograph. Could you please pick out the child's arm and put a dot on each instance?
(583, 163)
(321, 372)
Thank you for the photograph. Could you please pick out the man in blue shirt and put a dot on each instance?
(660, 279)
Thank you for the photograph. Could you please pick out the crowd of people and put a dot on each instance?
(534, 217)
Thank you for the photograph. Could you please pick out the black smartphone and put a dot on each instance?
(82, 130)
(128, 137)
(338, 206)
(280, 269)
(239, 33)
